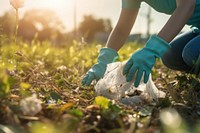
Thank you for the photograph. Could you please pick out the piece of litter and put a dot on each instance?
(5, 129)
(31, 105)
(114, 86)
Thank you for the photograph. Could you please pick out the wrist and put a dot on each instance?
(158, 45)
(107, 55)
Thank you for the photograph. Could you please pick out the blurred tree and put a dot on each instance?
(44, 24)
(27, 30)
(7, 22)
(90, 26)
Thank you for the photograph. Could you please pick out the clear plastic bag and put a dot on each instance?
(114, 86)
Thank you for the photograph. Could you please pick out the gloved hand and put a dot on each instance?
(106, 56)
(143, 60)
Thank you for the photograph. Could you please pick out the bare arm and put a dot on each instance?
(122, 30)
(176, 22)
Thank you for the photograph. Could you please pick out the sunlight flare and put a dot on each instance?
(56, 4)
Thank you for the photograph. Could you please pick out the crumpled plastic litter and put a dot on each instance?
(114, 86)
(30, 106)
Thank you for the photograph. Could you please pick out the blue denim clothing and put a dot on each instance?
(184, 52)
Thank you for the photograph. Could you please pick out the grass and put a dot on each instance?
(54, 74)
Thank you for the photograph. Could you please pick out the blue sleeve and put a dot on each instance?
(131, 4)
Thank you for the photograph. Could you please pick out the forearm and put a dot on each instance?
(116, 39)
(176, 21)
(122, 30)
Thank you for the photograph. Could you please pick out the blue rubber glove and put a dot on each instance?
(143, 60)
(106, 56)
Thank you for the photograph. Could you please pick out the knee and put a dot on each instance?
(167, 60)
(174, 62)
(191, 52)
(188, 57)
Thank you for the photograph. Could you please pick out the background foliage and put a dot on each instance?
(42, 62)
(46, 25)
(54, 73)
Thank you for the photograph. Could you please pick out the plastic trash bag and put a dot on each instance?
(114, 86)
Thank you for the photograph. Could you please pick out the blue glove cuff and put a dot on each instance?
(157, 45)
(107, 55)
